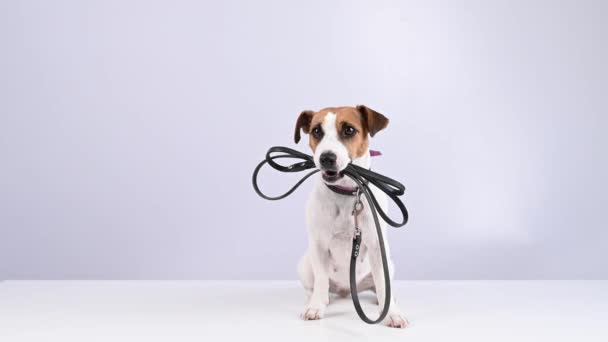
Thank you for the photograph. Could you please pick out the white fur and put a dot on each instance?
(324, 268)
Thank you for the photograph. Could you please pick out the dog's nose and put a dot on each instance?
(328, 160)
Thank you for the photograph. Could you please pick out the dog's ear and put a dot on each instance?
(303, 123)
(374, 121)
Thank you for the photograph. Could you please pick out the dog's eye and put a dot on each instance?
(349, 131)
(317, 132)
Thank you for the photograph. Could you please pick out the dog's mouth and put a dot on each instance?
(332, 176)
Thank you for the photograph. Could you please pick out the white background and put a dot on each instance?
(129, 130)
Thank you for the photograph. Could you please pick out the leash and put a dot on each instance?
(362, 177)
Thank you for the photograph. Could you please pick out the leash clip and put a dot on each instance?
(357, 209)
(358, 203)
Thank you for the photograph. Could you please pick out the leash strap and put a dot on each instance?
(361, 176)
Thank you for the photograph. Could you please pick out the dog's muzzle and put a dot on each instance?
(329, 167)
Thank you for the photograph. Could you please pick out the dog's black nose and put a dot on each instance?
(328, 160)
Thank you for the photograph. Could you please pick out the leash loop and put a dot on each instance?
(362, 177)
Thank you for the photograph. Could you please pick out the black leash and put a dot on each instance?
(361, 177)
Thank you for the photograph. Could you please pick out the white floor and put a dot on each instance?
(244, 311)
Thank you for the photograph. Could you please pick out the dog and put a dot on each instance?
(339, 136)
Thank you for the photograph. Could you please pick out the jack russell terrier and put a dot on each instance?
(339, 136)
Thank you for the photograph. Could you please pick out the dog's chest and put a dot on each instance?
(342, 228)
(342, 231)
(343, 221)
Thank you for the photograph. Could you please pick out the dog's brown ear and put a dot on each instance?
(374, 121)
(303, 123)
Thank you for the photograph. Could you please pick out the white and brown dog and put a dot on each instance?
(339, 136)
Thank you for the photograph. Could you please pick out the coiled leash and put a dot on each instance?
(362, 177)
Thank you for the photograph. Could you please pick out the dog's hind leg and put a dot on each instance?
(395, 317)
(366, 283)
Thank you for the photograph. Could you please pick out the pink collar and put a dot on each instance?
(374, 153)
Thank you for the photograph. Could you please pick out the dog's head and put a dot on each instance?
(339, 135)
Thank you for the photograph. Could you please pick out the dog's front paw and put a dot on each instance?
(313, 312)
(396, 319)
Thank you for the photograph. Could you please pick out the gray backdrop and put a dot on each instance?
(129, 130)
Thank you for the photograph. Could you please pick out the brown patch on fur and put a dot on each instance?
(374, 121)
(303, 123)
(358, 143)
(317, 120)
